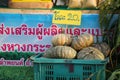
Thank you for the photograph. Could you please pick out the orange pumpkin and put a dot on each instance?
(61, 39)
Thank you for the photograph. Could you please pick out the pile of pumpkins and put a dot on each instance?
(66, 46)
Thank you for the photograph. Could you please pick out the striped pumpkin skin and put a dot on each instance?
(90, 53)
(62, 52)
(61, 40)
(103, 47)
(82, 41)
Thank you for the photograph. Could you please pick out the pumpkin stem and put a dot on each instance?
(97, 39)
(65, 44)
(91, 52)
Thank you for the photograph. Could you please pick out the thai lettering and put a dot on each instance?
(31, 31)
(7, 30)
(28, 62)
(84, 30)
(48, 46)
(40, 31)
(69, 31)
(1, 29)
(61, 30)
(4, 47)
(36, 46)
(93, 31)
(30, 47)
(24, 28)
(24, 47)
(98, 32)
(13, 31)
(18, 31)
(4, 62)
(76, 31)
(42, 50)
(10, 47)
(46, 31)
(21, 62)
(59, 17)
(54, 30)
(18, 47)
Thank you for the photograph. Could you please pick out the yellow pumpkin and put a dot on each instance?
(82, 41)
(61, 39)
(63, 52)
(90, 53)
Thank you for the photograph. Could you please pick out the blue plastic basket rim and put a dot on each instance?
(74, 61)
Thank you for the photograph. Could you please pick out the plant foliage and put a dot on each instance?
(16, 73)
(110, 26)
(15, 55)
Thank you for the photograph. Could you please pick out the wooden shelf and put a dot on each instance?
(39, 11)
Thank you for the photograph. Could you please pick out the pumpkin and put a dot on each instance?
(61, 39)
(63, 52)
(90, 53)
(82, 41)
(103, 47)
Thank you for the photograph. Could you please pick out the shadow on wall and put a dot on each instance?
(3, 3)
(60, 2)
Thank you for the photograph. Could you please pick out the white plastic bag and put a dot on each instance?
(82, 3)
(89, 3)
(75, 4)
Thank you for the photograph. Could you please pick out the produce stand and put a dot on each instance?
(40, 68)
(68, 69)
(40, 11)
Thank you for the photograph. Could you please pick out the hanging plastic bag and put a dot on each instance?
(89, 4)
(82, 3)
(100, 1)
(75, 4)
(60, 2)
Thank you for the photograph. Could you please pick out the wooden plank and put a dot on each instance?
(39, 11)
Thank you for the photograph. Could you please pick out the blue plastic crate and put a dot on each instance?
(68, 69)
